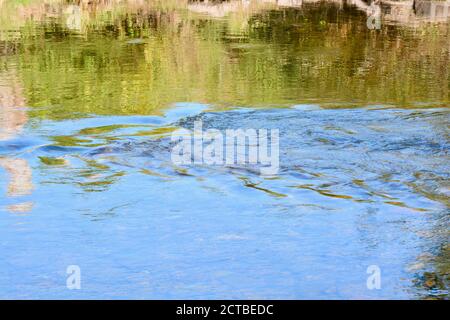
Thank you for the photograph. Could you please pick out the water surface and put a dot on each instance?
(89, 95)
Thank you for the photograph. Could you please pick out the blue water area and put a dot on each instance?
(356, 187)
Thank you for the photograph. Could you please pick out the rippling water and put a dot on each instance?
(89, 97)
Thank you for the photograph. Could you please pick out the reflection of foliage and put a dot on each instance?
(317, 54)
(51, 161)
(343, 59)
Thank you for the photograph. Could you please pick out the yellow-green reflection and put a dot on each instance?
(140, 57)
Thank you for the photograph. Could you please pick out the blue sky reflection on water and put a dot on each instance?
(138, 228)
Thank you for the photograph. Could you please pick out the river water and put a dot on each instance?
(89, 97)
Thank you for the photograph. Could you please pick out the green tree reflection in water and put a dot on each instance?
(140, 61)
